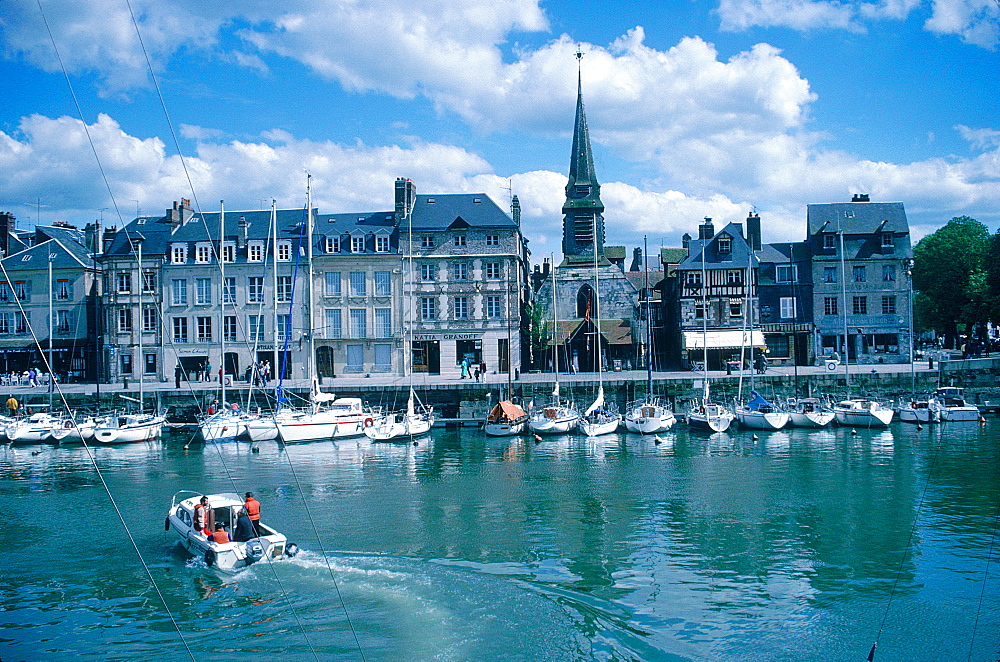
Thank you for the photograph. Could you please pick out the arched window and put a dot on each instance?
(585, 300)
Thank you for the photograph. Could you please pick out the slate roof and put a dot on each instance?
(857, 217)
(778, 253)
(438, 212)
(738, 258)
(69, 255)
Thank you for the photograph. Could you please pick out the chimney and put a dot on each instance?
(636, 260)
(706, 230)
(108, 238)
(406, 197)
(753, 231)
(91, 231)
(7, 227)
(241, 238)
(860, 197)
(686, 241)
(515, 211)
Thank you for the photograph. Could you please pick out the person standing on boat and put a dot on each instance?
(253, 512)
(203, 517)
(12, 406)
(244, 530)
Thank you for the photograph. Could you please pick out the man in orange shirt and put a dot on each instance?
(253, 512)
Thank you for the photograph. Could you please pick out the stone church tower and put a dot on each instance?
(581, 295)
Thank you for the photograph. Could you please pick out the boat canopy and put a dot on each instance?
(758, 402)
(723, 339)
(505, 410)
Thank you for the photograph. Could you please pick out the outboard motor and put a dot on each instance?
(255, 552)
(291, 549)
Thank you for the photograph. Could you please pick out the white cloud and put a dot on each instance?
(981, 139)
(976, 22)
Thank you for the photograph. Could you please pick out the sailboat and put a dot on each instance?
(757, 413)
(412, 422)
(506, 419)
(601, 417)
(557, 417)
(326, 416)
(137, 426)
(229, 422)
(861, 412)
(649, 415)
(917, 408)
(809, 413)
(704, 414)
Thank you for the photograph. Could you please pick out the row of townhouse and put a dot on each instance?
(437, 279)
(843, 291)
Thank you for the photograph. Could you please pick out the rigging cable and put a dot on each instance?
(58, 388)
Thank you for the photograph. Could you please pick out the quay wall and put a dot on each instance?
(471, 400)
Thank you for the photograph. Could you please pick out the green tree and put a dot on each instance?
(538, 335)
(950, 277)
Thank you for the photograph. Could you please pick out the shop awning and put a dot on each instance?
(723, 339)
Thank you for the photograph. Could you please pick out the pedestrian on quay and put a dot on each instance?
(265, 372)
(178, 371)
(208, 371)
(199, 371)
(465, 368)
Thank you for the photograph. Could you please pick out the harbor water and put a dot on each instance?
(791, 545)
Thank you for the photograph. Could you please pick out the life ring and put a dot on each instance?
(68, 424)
(166, 523)
(210, 557)
(369, 422)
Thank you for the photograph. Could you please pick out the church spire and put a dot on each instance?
(583, 209)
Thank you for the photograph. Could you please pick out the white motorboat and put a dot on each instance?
(863, 413)
(759, 414)
(230, 556)
(342, 417)
(649, 416)
(506, 420)
(920, 410)
(710, 417)
(809, 413)
(953, 405)
(127, 428)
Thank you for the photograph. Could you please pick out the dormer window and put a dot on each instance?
(829, 241)
(255, 252)
(381, 244)
(887, 240)
(357, 244)
(203, 254)
(178, 254)
(332, 244)
(284, 251)
(725, 245)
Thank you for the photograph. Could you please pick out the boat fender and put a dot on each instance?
(369, 422)
(291, 549)
(166, 523)
(210, 557)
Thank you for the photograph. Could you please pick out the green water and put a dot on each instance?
(793, 546)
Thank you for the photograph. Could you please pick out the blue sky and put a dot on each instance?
(695, 109)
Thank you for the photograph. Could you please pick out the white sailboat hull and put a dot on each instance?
(710, 418)
(129, 429)
(560, 422)
(966, 413)
(774, 420)
(649, 419)
(863, 413)
(506, 429)
(223, 426)
(810, 419)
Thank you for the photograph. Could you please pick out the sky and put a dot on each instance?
(114, 109)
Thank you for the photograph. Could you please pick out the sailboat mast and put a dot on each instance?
(649, 324)
(309, 283)
(704, 319)
(142, 404)
(52, 380)
(278, 362)
(555, 326)
(843, 290)
(222, 302)
(597, 314)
